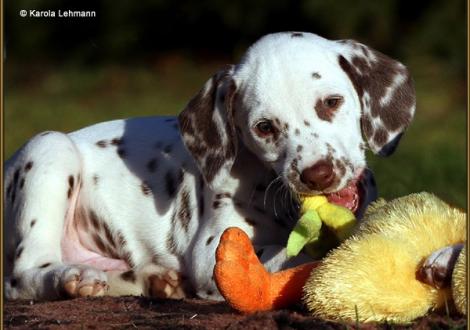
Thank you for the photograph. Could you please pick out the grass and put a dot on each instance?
(431, 157)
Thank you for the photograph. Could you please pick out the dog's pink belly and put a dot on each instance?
(74, 250)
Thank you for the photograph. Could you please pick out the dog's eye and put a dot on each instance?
(264, 128)
(333, 102)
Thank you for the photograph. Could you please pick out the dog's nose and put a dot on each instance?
(319, 176)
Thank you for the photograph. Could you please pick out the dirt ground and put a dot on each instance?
(146, 313)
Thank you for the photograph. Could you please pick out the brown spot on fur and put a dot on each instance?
(216, 204)
(341, 168)
(117, 141)
(129, 276)
(316, 75)
(28, 166)
(99, 242)
(121, 240)
(297, 131)
(47, 264)
(19, 251)
(366, 125)
(209, 240)
(307, 123)
(184, 212)
(71, 181)
(145, 189)
(299, 148)
(223, 195)
(109, 235)
(13, 196)
(16, 176)
(102, 144)
(251, 222)
(94, 220)
(330, 150)
(170, 240)
(33, 222)
(348, 163)
(380, 136)
(124, 254)
(95, 179)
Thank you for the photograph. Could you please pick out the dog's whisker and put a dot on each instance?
(267, 189)
(252, 195)
(274, 199)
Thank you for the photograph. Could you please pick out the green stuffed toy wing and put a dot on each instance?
(306, 231)
(316, 210)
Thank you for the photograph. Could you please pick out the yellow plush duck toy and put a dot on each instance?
(407, 257)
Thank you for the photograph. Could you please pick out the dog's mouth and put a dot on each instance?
(357, 195)
(348, 197)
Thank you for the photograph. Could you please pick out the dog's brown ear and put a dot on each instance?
(386, 93)
(208, 129)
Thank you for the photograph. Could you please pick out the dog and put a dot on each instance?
(137, 206)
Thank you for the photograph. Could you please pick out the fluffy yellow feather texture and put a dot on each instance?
(371, 276)
(459, 282)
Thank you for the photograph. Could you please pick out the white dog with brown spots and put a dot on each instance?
(137, 206)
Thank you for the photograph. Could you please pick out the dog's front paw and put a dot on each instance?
(83, 281)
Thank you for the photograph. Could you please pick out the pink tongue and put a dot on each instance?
(347, 197)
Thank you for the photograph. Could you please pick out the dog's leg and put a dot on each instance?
(42, 181)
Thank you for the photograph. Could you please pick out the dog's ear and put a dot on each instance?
(208, 129)
(385, 91)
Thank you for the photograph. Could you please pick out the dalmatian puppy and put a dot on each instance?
(137, 206)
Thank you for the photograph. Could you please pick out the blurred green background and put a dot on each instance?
(139, 58)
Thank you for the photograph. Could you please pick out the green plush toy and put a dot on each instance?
(322, 226)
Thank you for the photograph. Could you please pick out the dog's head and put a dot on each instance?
(306, 106)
